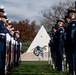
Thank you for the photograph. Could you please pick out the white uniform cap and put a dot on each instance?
(9, 21)
(12, 28)
(5, 14)
(17, 31)
(1, 7)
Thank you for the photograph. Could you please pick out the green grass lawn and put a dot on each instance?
(35, 68)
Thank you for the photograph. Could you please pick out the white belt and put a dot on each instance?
(2, 34)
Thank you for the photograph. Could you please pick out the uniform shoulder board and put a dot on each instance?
(73, 24)
(73, 21)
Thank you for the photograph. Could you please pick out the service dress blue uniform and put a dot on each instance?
(53, 49)
(59, 47)
(18, 51)
(72, 65)
(3, 32)
(66, 45)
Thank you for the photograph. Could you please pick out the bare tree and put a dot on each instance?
(56, 12)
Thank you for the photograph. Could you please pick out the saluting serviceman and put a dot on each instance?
(66, 46)
(3, 32)
(52, 47)
(72, 41)
(16, 48)
(59, 44)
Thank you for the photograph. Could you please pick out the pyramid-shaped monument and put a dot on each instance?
(42, 39)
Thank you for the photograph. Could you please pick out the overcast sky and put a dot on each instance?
(26, 9)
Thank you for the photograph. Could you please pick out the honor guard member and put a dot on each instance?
(2, 43)
(8, 47)
(52, 47)
(17, 47)
(8, 42)
(12, 47)
(20, 51)
(67, 20)
(59, 45)
(72, 29)
(10, 50)
(8, 38)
